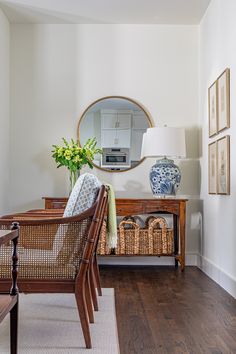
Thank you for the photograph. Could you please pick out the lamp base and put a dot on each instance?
(165, 178)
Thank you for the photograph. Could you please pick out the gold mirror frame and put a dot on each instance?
(148, 116)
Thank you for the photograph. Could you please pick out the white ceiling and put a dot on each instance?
(105, 11)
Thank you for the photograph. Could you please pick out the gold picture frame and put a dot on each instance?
(223, 96)
(213, 109)
(223, 165)
(212, 168)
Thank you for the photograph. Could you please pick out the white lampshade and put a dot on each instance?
(164, 141)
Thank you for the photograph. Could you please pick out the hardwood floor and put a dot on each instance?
(161, 310)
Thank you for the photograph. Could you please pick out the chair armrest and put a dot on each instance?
(37, 214)
(34, 219)
(7, 235)
(37, 232)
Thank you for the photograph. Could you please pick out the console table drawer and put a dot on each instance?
(160, 206)
(123, 209)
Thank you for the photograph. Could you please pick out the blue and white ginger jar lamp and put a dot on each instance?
(165, 176)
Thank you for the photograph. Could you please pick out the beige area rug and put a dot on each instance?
(49, 324)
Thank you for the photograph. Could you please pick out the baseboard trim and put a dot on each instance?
(225, 280)
(191, 260)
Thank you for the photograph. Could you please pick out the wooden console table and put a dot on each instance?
(176, 207)
(133, 206)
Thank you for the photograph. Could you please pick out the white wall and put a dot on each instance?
(44, 108)
(4, 111)
(218, 51)
(58, 70)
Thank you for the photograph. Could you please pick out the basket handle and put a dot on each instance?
(148, 220)
(161, 221)
(128, 222)
(151, 218)
(122, 235)
(163, 224)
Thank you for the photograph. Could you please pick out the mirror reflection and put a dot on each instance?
(118, 124)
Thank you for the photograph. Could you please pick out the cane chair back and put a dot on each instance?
(46, 270)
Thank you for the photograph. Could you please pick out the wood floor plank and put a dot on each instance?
(161, 310)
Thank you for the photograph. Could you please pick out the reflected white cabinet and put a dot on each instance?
(115, 120)
(108, 120)
(115, 138)
(115, 129)
(123, 121)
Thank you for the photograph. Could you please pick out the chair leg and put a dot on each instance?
(81, 305)
(89, 299)
(97, 275)
(93, 288)
(14, 328)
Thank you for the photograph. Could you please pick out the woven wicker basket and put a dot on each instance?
(152, 240)
(103, 248)
(155, 239)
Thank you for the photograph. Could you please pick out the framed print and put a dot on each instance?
(213, 109)
(212, 168)
(223, 165)
(223, 88)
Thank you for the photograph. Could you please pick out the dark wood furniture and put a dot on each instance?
(9, 302)
(176, 207)
(135, 206)
(55, 203)
(59, 255)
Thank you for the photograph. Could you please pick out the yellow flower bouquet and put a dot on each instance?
(74, 157)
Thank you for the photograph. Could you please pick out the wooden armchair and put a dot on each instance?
(56, 255)
(9, 302)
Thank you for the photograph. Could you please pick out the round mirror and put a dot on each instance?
(118, 124)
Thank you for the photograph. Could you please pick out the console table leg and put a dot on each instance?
(176, 237)
(182, 234)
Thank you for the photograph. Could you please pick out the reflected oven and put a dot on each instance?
(115, 158)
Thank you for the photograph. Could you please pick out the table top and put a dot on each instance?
(142, 198)
(132, 196)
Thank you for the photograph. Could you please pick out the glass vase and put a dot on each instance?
(74, 175)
